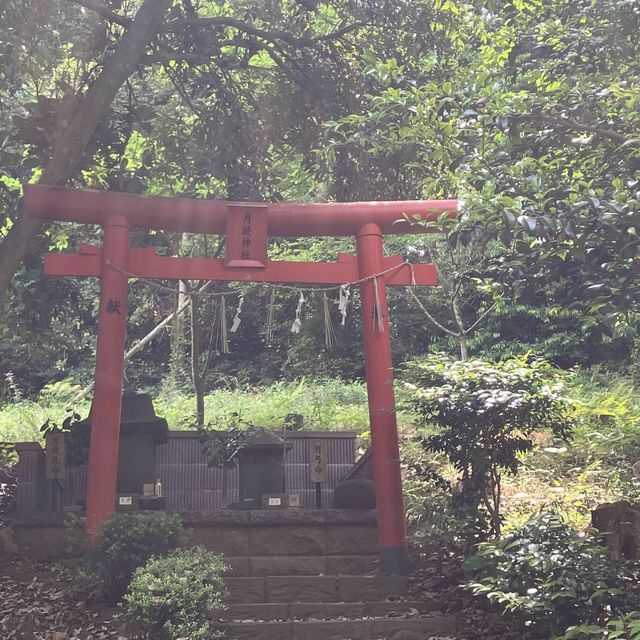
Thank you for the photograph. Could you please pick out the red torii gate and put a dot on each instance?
(247, 227)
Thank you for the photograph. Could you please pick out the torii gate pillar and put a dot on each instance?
(394, 557)
(107, 397)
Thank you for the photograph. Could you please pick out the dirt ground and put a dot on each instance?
(44, 602)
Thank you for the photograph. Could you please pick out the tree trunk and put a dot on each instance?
(462, 330)
(464, 352)
(178, 336)
(74, 136)
(196, 349)
(619, 524)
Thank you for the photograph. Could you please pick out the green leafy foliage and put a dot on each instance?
(549, 332)
(598, 465)
(125, 542)
(525, 110)
(223, 441)
(548, 577)
(21, 418)
(176, 595)
(485, 414)
(626, 627)
(533, 122)
(228, 103)
(435, 515)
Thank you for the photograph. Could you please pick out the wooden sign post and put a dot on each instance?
(318, 467)
(55, 461)
(55, 456)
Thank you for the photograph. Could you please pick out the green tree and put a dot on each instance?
(485, 414)
(535, 126)
(550, 579)
(225, 100)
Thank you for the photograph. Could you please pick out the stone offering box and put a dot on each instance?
(261, 467)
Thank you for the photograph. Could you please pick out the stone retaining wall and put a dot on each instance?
(260, 542)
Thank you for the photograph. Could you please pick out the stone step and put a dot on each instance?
(415, 628)
(329, 588)
(271, 611)
(302, 565)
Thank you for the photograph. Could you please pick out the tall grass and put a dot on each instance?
(326, 405)
(608, 414)
(598, 464)
(21, 419)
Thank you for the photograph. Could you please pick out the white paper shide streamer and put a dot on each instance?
(343, 302)
(236, 319)
(377, 310)
(297, 323)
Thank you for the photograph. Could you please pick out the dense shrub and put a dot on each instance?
(176, 596)
(127, 541)
(548, 577)
(549, 331)
(485, 414)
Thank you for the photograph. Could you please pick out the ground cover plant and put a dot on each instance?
(552, 580)
(548, 574)
(598, 464)
(177, 595)
(127, 541)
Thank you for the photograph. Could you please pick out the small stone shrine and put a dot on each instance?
(261, 470)
(141, 431)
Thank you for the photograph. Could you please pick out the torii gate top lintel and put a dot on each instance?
(285, 219)
(247, 227)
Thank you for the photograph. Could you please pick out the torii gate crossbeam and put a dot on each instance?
(247, 227)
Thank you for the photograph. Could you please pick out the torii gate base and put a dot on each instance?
(247, 227)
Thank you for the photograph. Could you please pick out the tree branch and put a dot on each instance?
(336, 35)
(74, 133)
(164, 57)
(270, 36)
(103, 11)
(431, 318)
(481, 318)
(574, 125)
(179, 24)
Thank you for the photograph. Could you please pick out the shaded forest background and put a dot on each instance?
(527, 111)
